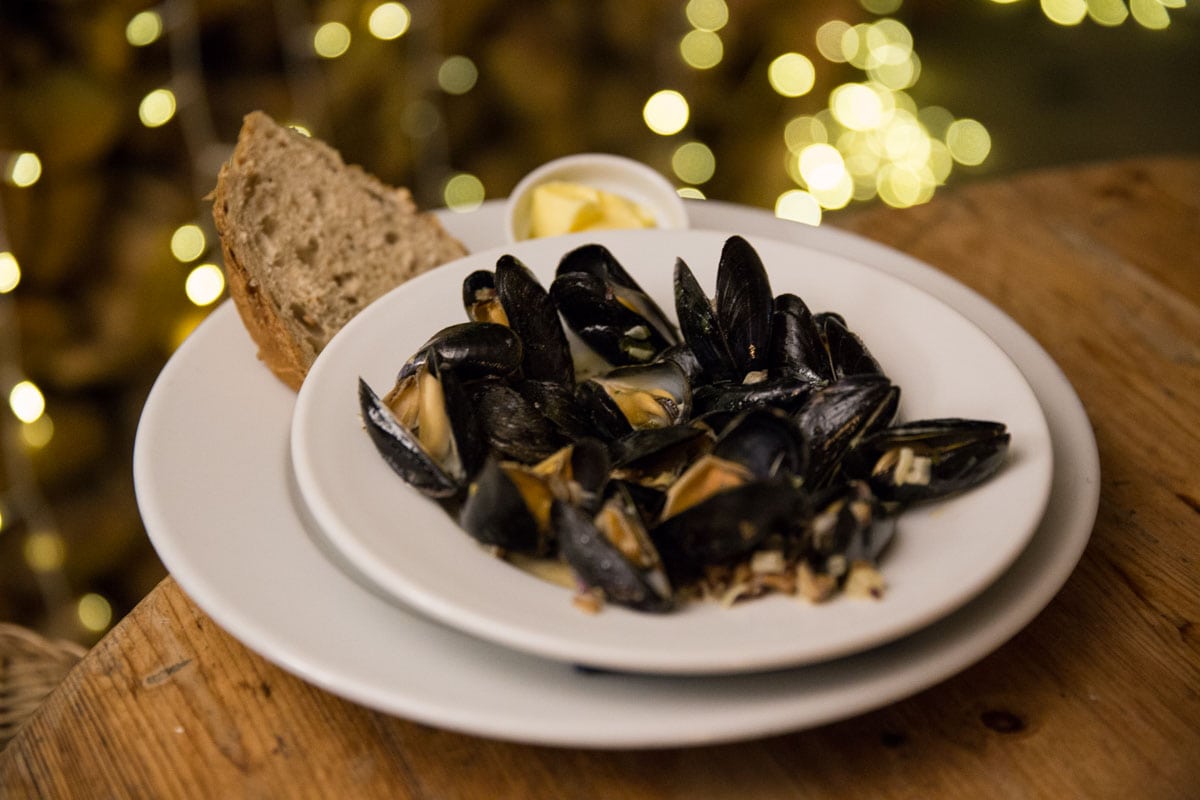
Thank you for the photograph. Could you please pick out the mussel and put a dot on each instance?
(508, 504)
(612, 552)
(472, 349)
(533, 316)
(838, 416)
(929, 459)
(631, 398)
(425, 430)
(607, 308)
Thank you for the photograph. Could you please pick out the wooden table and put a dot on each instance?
(1098, 697)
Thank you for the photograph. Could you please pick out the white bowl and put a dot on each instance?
(626, 177)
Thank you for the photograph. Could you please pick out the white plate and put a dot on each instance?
(212, 476)
(942, 556)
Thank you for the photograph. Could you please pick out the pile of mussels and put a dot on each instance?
(753, 448)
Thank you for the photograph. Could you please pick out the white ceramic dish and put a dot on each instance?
(943, 555)
(212, 476)
(626, 177)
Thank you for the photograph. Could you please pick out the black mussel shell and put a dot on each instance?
(495, 513)
(766, 441)
(558, 403)
(534, 317)
(787, 394)
(730, 525)
(847, 352)
(798, 349)
(599, 563)
(513, 426)
(836, 417)
(682, 356)
(400, 448)
(480, 299)
(657, 456)
(929, 459)
(473, 349)
(700, 327)
(624, 399)
(607, 309)
(744, 305)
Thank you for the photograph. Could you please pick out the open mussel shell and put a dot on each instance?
(480, 298)
(498, 513)
(625, 399)
(929, 459)
(838, 416)
(608, 310)
(434, 444)
(472, 349)
(533, 316)
(744, 305)
(765, 441)
(655, 457)
(508, 504)
(845, 538)
(612, 551)
(730, 524)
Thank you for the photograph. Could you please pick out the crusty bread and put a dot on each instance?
(309, 241)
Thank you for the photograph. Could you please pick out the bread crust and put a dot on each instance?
(290, 331)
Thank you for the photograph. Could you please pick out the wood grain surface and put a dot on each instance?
(1099, 697)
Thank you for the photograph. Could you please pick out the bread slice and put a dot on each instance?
(309, 241)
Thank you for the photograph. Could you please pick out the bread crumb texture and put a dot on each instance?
(309, 241)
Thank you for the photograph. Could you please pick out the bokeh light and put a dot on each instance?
(44, 551)
(464, 192)
(798, 206)
(694, 162)
(10, 272)
(1065, 12)
(389, 21)
(157, 108)
(24, 169)
(881, 7)
(37, 434)
(94, 612)
(188, 243)
(144, 28)
(1150, 14)
(829, 40)
(969, 141)
(701, 49)
(204, 284)
(666, 112)
(707, 15)
(26, 401)
(457, 75)
(857, 106)
(802, 131)
(1109, 13)
(792, 74)
(821, 166)
(331, 40)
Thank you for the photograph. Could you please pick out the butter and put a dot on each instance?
(559, 207)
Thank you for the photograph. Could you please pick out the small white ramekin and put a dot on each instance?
(616, 174)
